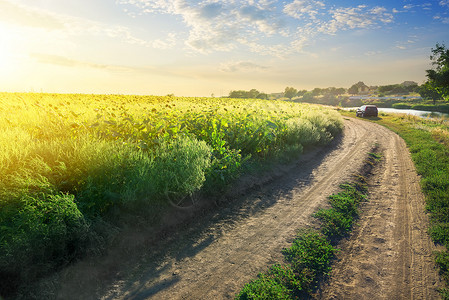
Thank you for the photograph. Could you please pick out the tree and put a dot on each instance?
(317, 91)
(301, 92)
(429, 92)
(438, 77)
(357, 88)
(251, 94)
(290, 92)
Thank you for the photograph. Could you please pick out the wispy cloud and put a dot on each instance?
(264, 27)
(65, 25)
(241, 66)
(359, 17)
(68, 62)
(22, 15)
(444, 3)
(303, 8)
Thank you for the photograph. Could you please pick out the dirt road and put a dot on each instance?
(388, 256)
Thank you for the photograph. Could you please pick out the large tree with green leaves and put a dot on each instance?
(438, 76)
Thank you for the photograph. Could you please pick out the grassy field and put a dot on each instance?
(74, 169)
(428, 141)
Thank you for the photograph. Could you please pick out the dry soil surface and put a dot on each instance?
(388, 256)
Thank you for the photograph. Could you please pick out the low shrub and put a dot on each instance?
(264, 288)
(334, 224)
(47, 232)
(402, 105)
(310, 257)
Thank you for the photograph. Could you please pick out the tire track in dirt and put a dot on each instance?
(389, 254)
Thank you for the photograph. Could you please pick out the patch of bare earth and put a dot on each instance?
(215, 254)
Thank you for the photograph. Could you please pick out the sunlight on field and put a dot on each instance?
(69, 160)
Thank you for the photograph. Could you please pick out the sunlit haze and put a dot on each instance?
(200, 48)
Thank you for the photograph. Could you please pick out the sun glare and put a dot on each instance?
(6, 51)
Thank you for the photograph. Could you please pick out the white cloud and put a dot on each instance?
(302, 8)
(168, 43)
(356, 18)
(217, 25)
(262, 26)
(444, 3)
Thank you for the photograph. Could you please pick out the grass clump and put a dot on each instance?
(279, 282)
(308, 260)
(337, 221)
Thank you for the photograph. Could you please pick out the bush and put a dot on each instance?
(402, 106)
(124, 176)
(46, 233)
(264, 288)
(334, 224)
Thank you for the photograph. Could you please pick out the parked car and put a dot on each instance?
(367, 111)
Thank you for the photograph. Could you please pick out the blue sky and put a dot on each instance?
(200, 48)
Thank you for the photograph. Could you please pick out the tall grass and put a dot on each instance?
(70, 161)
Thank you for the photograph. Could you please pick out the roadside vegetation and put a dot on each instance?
(75, 169)
(308, 260)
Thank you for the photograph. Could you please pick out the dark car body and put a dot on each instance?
(367, 111)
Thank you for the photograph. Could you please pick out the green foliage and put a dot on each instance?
(337, 221)
(264, 288)
(310, 251)
(402, 105)
(429, 91)
(290, 92)
(438, 78)
(47, 232)
(309, 257)
(117, 159)
(442, 260)
(123, 176)
(252, 94)
(334, 224)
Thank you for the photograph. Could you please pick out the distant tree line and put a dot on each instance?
(251, 94)
(435, 88)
